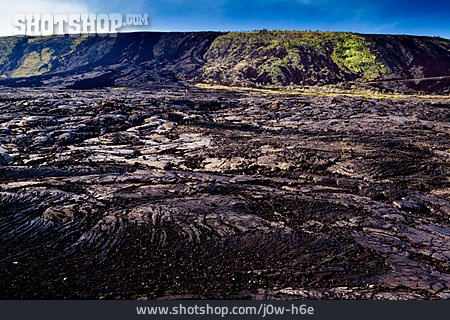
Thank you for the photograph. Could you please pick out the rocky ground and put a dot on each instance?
(212, 194)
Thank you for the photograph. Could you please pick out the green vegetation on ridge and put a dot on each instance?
(276, 57)
(35, 63)
(42, 54)
(352, 52)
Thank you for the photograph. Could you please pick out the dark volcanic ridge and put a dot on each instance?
(261, 58)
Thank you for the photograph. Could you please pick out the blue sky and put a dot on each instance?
(370, 16)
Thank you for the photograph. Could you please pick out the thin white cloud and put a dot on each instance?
(9, 7)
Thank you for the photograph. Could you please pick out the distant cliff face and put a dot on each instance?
(318, 58)
(245, 59)
(282, 57)
(131, 59)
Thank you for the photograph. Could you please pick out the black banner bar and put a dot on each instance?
(130, 310)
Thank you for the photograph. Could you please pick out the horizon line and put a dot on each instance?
(230, 31)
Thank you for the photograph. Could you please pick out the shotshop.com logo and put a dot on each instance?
(37, 24)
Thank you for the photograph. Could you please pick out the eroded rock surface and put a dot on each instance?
(210, 194)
